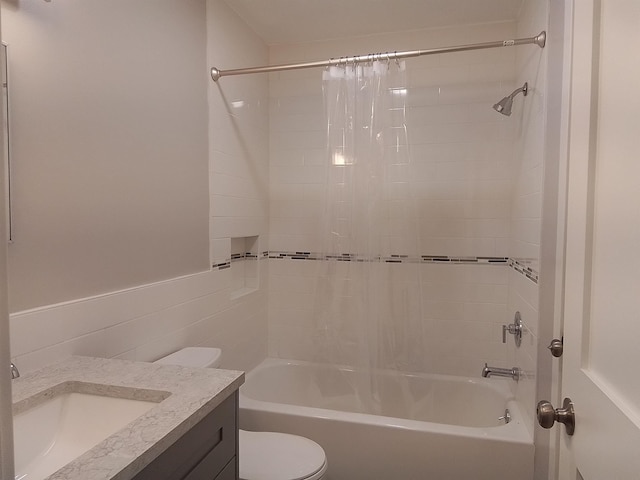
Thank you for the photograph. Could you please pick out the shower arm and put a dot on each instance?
(539, 40)
(523, 89)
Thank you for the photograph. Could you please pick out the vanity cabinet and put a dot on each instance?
(208, 451)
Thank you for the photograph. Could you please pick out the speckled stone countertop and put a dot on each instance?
(185, 396)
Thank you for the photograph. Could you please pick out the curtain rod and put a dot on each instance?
(539, 40)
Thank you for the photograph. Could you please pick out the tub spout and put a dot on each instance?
(14, 371)
(488, 371)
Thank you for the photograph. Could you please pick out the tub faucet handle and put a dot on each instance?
(514, 329)
(506, 418)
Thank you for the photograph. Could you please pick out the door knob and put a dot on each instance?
(556, 347)
(547, 415)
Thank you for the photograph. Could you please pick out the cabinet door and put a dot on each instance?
(201, 453)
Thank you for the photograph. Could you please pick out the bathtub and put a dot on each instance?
(448, 429)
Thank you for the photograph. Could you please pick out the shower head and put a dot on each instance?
(504, 105)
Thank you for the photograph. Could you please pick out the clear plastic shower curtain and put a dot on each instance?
(367, 309)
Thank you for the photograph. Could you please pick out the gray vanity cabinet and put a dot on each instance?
(208, 451)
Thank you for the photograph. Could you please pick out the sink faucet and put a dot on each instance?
(14, 371)
(501, 372)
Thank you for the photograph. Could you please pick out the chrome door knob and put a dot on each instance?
(548, 416)
(556, 347)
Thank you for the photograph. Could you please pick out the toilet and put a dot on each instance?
(263, 455)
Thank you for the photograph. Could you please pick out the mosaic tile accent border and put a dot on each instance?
(221, 266)
(242, 256)
(478, 260)
(350, 257)
(519, 265)
(235, 258)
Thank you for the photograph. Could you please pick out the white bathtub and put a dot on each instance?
(447, 430)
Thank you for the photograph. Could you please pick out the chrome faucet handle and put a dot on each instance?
(506, 418)
(514, 329)
(14, 371)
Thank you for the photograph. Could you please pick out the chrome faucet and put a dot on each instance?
(14, 371)
(501, 372)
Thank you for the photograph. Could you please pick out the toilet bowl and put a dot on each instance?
(262, 455)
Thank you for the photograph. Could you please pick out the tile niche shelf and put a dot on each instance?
(244, 266)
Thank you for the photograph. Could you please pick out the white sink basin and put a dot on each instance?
(53, 433)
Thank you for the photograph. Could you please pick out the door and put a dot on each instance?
(601, 363)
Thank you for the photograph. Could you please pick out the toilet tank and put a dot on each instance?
(195, 357)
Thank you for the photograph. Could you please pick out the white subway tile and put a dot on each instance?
(288, 85)
(421, 96)
(284, 106)
(487, 228)
(443, 310)
(307, 174)
(298, 122)
(488, 92)
(90, 345)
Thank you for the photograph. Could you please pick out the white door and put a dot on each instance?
(601, 363)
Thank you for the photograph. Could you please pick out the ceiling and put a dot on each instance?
(297, 21)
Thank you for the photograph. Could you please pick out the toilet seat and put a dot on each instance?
(280, 456)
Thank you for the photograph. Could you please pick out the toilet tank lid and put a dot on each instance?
(197, 357)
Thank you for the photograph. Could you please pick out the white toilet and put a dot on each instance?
(263, 455)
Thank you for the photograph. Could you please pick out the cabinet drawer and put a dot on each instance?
(201, 453)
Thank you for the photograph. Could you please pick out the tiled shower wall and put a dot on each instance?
(462, 310)
(463, 166)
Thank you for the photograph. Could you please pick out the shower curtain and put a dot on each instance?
(367, 309)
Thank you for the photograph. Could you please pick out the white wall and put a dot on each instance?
(462, 162)
(150, 320)
(109, 145)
